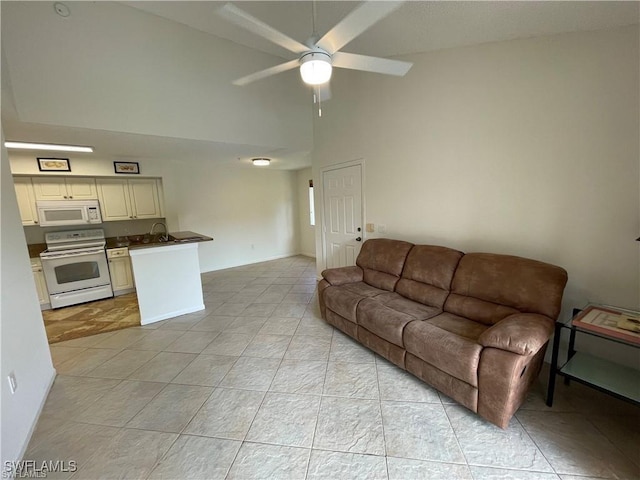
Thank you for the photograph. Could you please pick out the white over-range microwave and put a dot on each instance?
(55, 213)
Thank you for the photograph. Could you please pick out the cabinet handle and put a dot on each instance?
(65, 196)
(35, 221)
(70, 196)
(130, 216)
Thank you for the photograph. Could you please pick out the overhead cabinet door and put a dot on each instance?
(81, 188)
(144, 198)
(50, 188)
(114, 199)
(129, 199)
(26, 201)
(69, 188)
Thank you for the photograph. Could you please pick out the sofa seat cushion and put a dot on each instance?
(387, 314)
(449, 343)
(363, 289)
(344, 299)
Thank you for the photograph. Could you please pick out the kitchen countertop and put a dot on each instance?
(135, 241)
(146, 241)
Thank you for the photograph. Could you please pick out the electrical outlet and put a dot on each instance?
(370, 228)
(382, 228)
(13, 383)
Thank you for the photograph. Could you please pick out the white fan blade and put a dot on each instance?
(370, 64)
(283, 67)
(249, 22)
(363, 17)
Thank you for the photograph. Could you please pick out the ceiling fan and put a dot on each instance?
(317, 57)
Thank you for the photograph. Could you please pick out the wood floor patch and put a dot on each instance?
(92, 318)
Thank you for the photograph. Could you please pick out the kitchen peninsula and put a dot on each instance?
(167, 275)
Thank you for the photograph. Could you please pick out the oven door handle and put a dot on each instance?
(55, 256)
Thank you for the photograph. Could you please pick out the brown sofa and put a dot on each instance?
(474, 326)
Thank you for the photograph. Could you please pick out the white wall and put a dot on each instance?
(307, 233)
(526, 147)
(111, 67)
(25, 350)
(250, 212)
(87, 164)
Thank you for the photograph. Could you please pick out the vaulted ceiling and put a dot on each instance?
(153, 79)
(415, 27)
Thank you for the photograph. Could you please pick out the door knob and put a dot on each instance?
(358, 239)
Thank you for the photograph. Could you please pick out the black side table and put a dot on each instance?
(618, 380)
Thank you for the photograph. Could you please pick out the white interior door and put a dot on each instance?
(342, 193)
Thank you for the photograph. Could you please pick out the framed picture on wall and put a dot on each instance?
(54, 164)
(126, 167)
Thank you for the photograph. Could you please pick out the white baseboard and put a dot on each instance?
(253, 262)
(123, 292)
(276, 257)
(173, 314)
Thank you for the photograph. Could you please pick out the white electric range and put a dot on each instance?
(75, 267)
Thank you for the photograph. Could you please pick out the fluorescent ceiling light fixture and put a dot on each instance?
(315, 68)
(48, 146)
(261, 162)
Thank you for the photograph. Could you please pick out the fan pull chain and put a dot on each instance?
(317, 100)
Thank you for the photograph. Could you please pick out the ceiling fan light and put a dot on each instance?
(261, 162)
(315, 68)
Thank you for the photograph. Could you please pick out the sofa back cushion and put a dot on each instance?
(382, 260)
(427, 274)
(489, 287)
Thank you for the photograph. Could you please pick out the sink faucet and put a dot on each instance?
(165, 237)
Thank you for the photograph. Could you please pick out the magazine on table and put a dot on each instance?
(622, 325)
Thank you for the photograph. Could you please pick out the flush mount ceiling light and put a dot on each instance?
(48, 146)
(261, 162)
(61, 9)
(315, 68)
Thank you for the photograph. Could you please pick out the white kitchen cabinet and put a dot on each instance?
(128, 199)
(113, 194)
(145, 200)
(26, 200)
(41, 284)
(120, 270)
(64, 188)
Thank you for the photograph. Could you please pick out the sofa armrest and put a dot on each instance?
(521, 333)
(342, 275)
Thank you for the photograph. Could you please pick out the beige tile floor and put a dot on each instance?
(258, 386)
